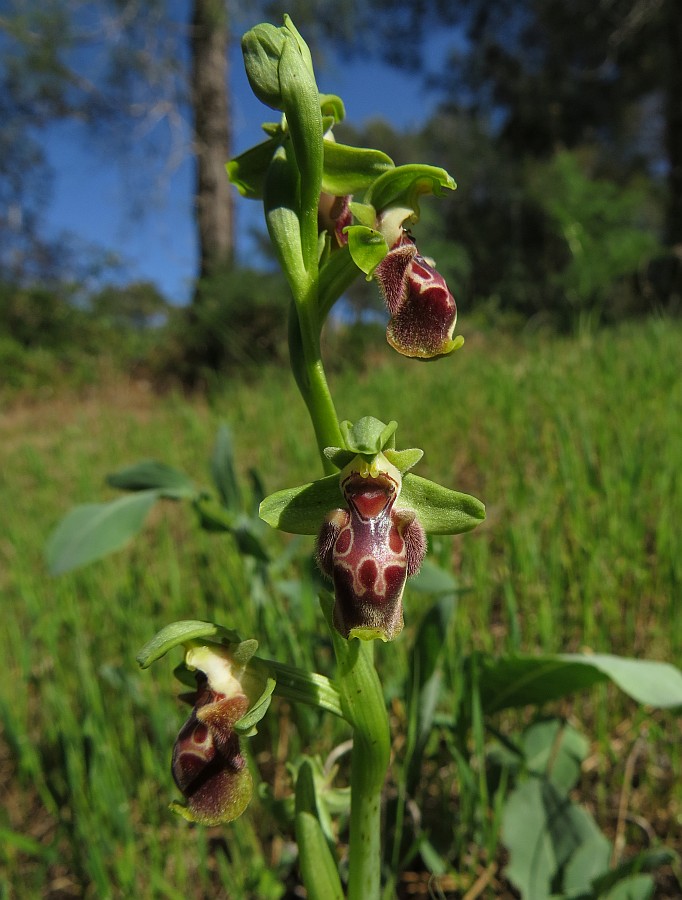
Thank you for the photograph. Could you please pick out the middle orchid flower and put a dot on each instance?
(370, 520)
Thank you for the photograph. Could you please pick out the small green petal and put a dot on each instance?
(403, 459)
(364, 213)
(366, 246)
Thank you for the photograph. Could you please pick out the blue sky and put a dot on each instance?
(90, 190)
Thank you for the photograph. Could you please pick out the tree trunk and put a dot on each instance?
(210, 106)
(673, 123)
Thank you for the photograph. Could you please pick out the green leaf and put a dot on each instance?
(302, 510)
(222, 470)
(182, 632)
(439, 509)
(350, 170)
(424, 686)
(588, 862)
(94, 530)
(554, 750)
(318, 867)
(646, 861)
(531, 680)
(403, 185)
(152, 475)
(542, 829)
(637, 887)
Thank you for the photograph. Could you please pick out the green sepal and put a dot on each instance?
(331, 106)
(248, 170)
(368, 436)
(303, 509)
(366, 246)
(350, 170)
(404, 185)
(439, 509)
(183, 632)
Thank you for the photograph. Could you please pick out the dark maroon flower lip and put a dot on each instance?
(370, 496)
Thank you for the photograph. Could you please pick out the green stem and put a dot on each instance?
(308, 369)
(362, 701)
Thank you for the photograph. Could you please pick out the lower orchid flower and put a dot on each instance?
(232, 694)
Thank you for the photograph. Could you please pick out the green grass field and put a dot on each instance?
(573, 444)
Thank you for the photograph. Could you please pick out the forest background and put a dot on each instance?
(564, 131)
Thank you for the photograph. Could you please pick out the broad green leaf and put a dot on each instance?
(222, 470)
(588, 862)
(637, 887)
(646, 861)
(94, 530)
(522, 680)
(152, 475)
(555, 750)
(178, 633)
(439, 509)
(350, 170)
(302, 510)
(433, 579)
(542, 829)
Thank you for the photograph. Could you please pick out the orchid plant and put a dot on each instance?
(334, 213)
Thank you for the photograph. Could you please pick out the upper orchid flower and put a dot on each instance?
(422, 309)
